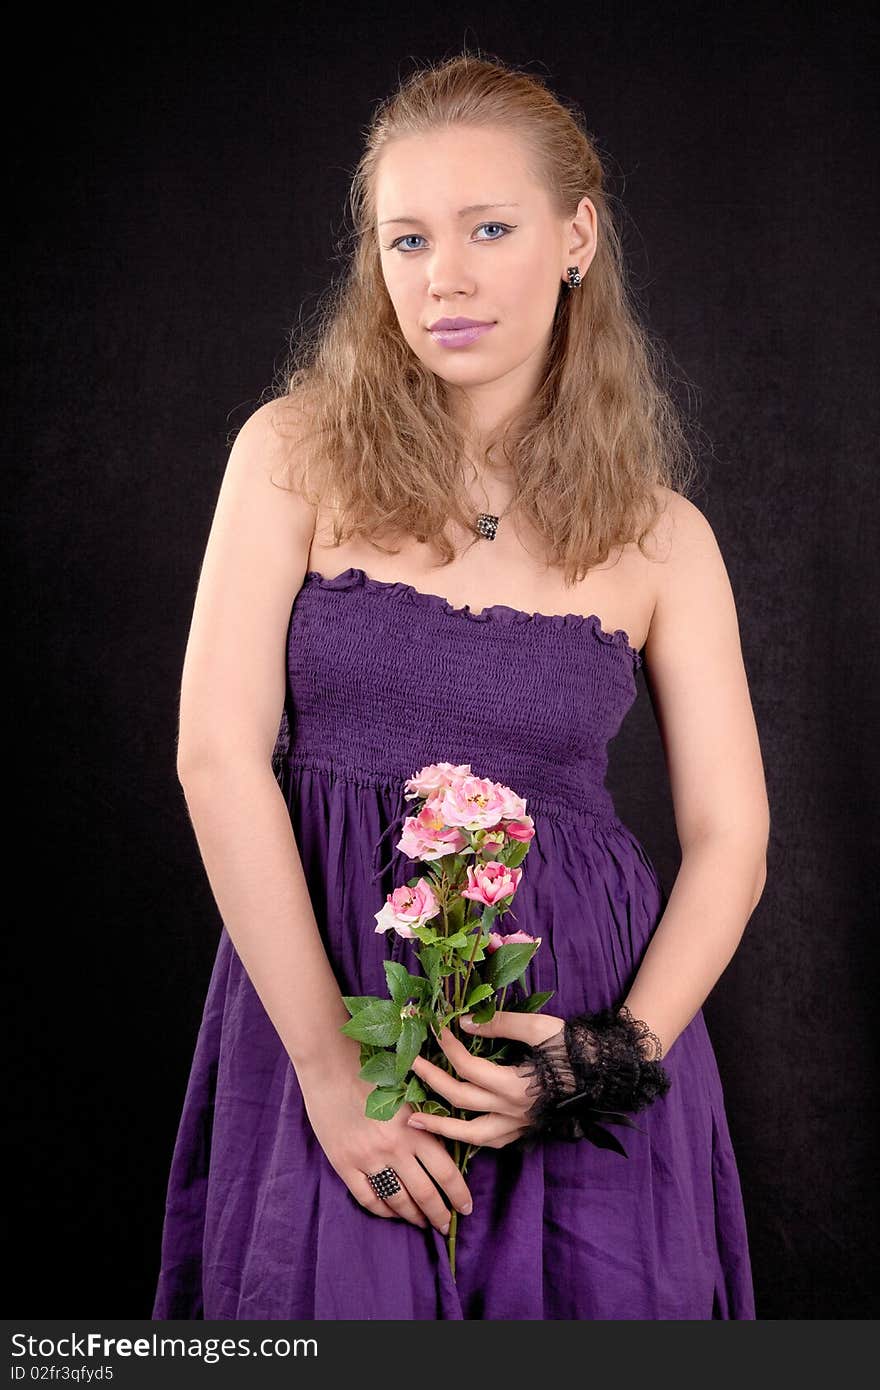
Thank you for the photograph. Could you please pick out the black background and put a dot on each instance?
(177, 188)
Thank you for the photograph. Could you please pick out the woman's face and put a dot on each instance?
(444, 257)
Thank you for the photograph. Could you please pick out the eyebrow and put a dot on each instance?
(462, 212)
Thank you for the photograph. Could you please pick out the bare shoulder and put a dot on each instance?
(254, 564)
(268, 463)
(272, 440)
(697, 680)
(692, 587)
(678, 526)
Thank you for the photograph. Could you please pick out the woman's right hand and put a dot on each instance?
(335, 1100)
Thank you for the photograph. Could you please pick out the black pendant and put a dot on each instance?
(487, 525)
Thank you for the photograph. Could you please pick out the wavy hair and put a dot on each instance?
(599, 436)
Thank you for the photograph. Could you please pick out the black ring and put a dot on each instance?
(385, 1183)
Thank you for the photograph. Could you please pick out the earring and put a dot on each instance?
(574, 277)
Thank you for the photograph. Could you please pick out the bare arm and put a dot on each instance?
(231, 702)
(246, 841)
(699, 689)
(232, 695)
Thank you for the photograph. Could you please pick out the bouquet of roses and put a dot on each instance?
(471, 836)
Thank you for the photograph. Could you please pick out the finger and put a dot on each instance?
(374, 1205)
(513, 1023)
(496, 1079)
(425, 1194)
(479, 1132)
(434, 1156)
(461, 1093)
(399, 1203)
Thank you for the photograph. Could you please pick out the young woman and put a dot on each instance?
(455, 537)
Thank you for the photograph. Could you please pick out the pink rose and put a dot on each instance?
(513, 806)
(407, 907)
(427, 836)
(522, 829)
(472, 802)
(490, 883)
(496, 940)
(488, 840)
(435, 777)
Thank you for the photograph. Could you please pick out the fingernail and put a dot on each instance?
(467, 1022)
(444, 1230)
(467, 1208)
(415, 1124)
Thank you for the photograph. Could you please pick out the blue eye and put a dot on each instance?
(409, 236)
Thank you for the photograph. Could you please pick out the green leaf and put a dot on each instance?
(402, 985)
(455, 915)
(459, 940)
(516, 852)
(368, 1050)
(483, 1012)
(534, 1002)
(415, 1091)
(429, 960)
(477, 993)
(427, 934)
(436, 1107)
(419, 987)
(396, 976)
(412, 1034)
(379, 1022)
(381, 1069)
(384, 1103)
(507, 963)
(355, 1002)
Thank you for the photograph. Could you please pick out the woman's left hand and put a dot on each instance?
(498, 1091)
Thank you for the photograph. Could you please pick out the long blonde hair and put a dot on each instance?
(599, 435)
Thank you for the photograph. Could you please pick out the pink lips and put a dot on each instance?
(458, 322)
(458, 332)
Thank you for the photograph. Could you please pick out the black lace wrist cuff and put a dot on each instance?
(597, 1066)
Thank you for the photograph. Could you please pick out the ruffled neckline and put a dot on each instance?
(356, 578)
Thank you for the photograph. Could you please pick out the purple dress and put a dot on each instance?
(383, 679)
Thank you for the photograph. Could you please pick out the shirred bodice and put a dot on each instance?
(383, 678)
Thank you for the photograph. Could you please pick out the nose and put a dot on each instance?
(447, 275)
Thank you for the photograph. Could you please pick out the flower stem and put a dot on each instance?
(453, 1220)
(470, 965)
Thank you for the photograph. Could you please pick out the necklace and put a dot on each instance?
(487, 523)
